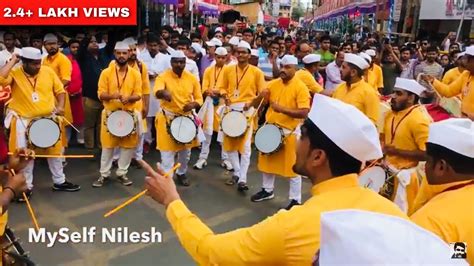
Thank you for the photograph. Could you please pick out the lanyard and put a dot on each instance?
(218, 74)
(393, 129)
(123, 79)
(33, 85)
(237, 76)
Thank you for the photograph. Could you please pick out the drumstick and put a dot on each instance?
(134, 198)
(369, 166)
(30, 209)
(67, 121)
(256, 110)
(57, 156)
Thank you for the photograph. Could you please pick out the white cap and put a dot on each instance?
(459, 55)
(356, 60)
(218, 29)
(50, 37)
(359, 237)
(410, 85)
(214, 42)
(130, 41)
(470, 50)
(234, 40)
(366, 57)
(197, 47)
(347, 127)
(121, 46)
(289, 60)
(221, 51)
(311, 58)
(371, 52)
(244, 44)
(177, 54)
(31, 53)
(254, 52)
(456, 134)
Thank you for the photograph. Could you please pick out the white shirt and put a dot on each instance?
(5, 56)
(333, 76)
(192, 67)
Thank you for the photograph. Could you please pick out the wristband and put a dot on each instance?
(11, 189)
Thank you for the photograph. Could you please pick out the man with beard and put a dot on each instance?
(10, 49)
(156, 63)
(36, 92)
(450, 157)
(354, 90)
(180, 93)
(306, 74)
(330, 153)
(429, 66)
(212, 77)
(239, 87)
(374, 72)
(289, 105)
(120, 88)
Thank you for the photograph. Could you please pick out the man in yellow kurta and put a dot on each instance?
(36, 92)
(330, 153)
(306, 74)
(179, 93)
(374, 72)
(240, 85)
(212, 76)
(450, 214)
(354, 90)
(451, 75)
(119, 89)
(289, 105)
(405, 135)
(463, 86)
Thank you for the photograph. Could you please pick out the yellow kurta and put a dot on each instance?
(48, 86)
(183, 90)
(291, 95)
(252, 82)
(62, 66)
(464, 86)
(450, 215)
(3, 219)
(411, 134)
(375, 77)
(308, 79)
(286, 238)
(131, 85)
(360, 95)
(451, 75)
(212, 76)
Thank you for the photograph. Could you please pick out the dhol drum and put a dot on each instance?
(234, 124)
(121, 123)
(43, 132)
(13, 253)
(379, 179)
(183, 129)
(269, 138)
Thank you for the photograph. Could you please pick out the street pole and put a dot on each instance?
(462, 20)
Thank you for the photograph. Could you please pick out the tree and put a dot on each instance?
(297, 13)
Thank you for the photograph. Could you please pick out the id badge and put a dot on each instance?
(236, 93)
(35, 97)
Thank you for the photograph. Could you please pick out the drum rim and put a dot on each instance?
(130, 113)
(222, 121)
(28, 128)
(373, 167)
(192, 121)
(281, 138)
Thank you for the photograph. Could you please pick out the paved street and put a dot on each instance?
(220, 206)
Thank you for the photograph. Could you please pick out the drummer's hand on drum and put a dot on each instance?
(276, 107)
(166, 95)
(59, 111)
(265, 94)
(124, 99)
(20, 159)
(190, 106)
(160, 187)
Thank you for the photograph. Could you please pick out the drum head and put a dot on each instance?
(44, 133)
(373, 178)
(234, 124)
(268, 138)
(120, 123)
(183, 129)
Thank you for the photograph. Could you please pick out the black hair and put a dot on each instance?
(175, 35)
(340, 162)
(360, 72)
(278, 38)
(461, 244)
(432, 49)
(166, 28)
(195, 36)
(184, 41)
(417, 98)
(73, 41)
(325, 38)
(141, 39)
(453, 44)
(36, 36)
(405, 48)
(151, 38)
(9, 33)
(460, 163)
(274, 42)
(247, 30)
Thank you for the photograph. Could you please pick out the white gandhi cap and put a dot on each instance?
(31, 53)
(311, 58)
(356, 60)
(221, 51)
(234, 40)
(393, 241)
(178, 54)
(121, 46)
(455, 134)
(409, 85)
(254, 52)
(244, 44)
(371, 52)
(366, 57)
(289, 60)
(347, 127)
(50, 37)
(130, 41)
(214, 42)
(470, 50)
